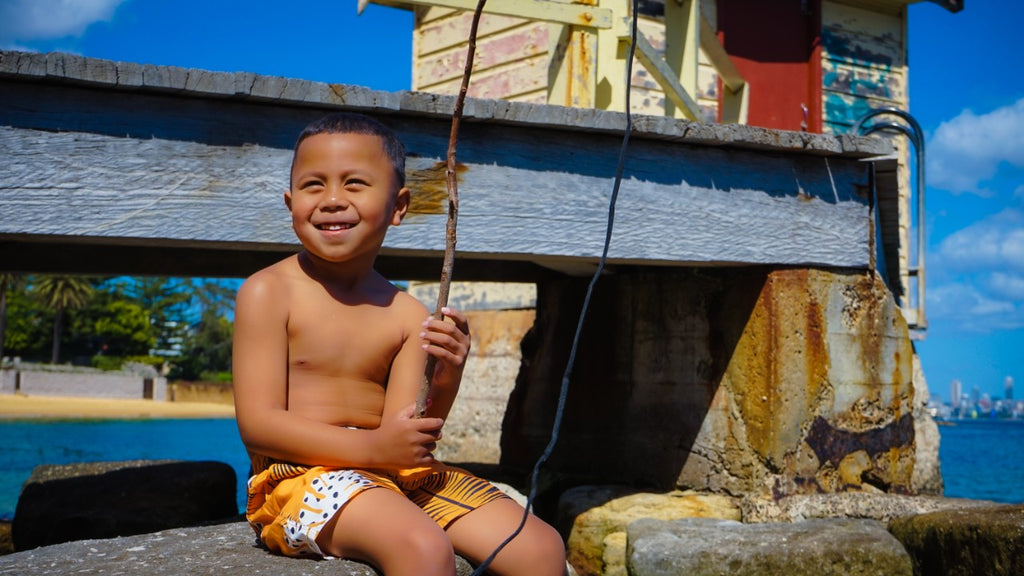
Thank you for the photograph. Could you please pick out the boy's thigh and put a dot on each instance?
(378, 523)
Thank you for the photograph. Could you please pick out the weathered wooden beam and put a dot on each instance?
(540, 10)
(106, 257)
(98, 153)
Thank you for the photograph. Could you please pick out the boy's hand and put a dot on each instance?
(407, 441)
(449, 342)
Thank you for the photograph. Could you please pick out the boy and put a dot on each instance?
(328, 357)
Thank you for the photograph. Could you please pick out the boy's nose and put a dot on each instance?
(335, 199)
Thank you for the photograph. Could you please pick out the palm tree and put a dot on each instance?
(8, 281)
(60, 293)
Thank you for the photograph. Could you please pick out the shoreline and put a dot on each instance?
(20, 407)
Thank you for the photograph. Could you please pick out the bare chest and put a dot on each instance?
(349, 343)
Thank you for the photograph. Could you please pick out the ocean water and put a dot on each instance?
(981, 459)
(27, 444)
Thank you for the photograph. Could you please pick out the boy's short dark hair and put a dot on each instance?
(352, 123)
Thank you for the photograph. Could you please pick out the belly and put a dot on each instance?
(338, 401)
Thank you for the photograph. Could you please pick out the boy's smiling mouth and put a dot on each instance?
(334, 226)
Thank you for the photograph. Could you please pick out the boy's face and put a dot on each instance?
(343, 196)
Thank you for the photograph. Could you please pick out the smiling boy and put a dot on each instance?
(328, 356)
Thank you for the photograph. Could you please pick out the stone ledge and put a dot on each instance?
(227, 549)
(61, 503)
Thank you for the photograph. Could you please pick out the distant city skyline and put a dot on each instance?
(956, 391)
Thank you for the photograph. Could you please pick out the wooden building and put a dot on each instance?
(803, 65)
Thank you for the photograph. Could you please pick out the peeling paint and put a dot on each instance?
(429, 188)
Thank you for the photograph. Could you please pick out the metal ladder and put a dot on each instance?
(909, 127)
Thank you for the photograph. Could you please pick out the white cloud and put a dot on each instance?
(966, 308)
(982, 272)
(995, 243)
(967, 151)
(27, 20)
(1007, 285)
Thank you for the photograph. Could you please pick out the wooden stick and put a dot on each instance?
(453, 210)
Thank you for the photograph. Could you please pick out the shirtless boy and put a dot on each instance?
(328, 357)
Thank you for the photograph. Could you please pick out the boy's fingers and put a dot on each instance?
(458, 317)
(408, 412)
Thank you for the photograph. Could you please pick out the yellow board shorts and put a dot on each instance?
(288, 505)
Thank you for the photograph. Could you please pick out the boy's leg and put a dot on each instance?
(538, 550)
(384, 528)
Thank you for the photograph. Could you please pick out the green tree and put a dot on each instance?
(29, 323)
(8, 282)
(207, 349)
(214, 295)
(62, 293)
(124, 329)
(165, 302)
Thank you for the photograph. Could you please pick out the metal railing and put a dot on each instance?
(910, 128)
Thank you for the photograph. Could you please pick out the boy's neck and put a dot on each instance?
(346, 277)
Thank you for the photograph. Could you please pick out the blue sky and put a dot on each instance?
(966, 90)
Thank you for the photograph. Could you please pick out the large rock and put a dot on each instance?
(728, 380)
(707, 547)
(595, 518)
(883, 507)
(226, 550)
(965, 542)
(927, 475)
(107, 499)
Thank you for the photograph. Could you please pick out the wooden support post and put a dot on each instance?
(666, 78)
(576, 62)
(735, 90)
(611, 81)
(682, 47)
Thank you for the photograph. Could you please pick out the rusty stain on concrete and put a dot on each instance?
(429, 188)
(783, 343)
(831, 444)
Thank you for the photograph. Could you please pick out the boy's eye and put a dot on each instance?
(355, 183)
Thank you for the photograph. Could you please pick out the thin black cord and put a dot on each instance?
(564, 390)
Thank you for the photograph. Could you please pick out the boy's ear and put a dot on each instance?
(288, 199)
(402, 199)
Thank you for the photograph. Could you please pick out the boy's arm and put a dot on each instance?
(449, 341)
(260, 365)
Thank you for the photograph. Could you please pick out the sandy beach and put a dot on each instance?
(31, 407)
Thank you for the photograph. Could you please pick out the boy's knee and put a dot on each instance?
(548, 550)
(431, 546)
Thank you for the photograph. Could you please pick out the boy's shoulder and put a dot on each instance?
(273, 282)
(280, 272)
